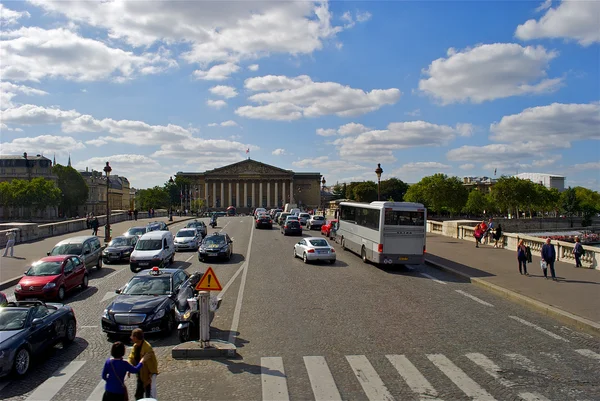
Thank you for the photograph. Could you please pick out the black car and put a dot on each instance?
(198, 225)
(157, 226)
(214, 246)
(263, 221)
(291, 227)
(147, 302)
(28, 328)
(135, 231)
(119, 248)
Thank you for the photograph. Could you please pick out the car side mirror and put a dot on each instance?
(118, 291)
(37, 321)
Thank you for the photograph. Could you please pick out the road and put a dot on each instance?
(349, 331)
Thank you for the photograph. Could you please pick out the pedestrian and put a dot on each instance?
(95, 225)
(498, 236)
(146, 379)
(10, 242)
(578, 251)
(522, 257)
(135, 214)
(478, 233)
(548, 256)
(114, 372)
(489, 232)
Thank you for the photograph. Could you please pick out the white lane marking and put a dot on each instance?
(224, 226)
(231, 280)
(588, 353)
(238, 305)
(523, 362)
(538, 328)
(190, 258)
(490, 368)
(273, 379)
(474, 298)
(111, 275)
(87, 327)
(54, 383)
(368, 378)
(108, 295)
(432, 278)
(533, 397)
(460, 378)
(98, 392)
(321, 379)
(413, 378)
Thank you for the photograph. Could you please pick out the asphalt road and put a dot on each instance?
(348, 331)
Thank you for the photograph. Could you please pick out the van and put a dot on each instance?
(155, 248)
(295, 211)
(86, 247)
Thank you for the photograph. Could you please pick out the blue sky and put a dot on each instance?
(463, 88)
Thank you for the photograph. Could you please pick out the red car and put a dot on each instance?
(52, 277)
(326, 228)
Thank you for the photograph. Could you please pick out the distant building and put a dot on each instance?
(120, 196)
(482, 184)
(547, 180)
(24, 167)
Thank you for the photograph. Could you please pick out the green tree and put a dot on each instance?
(504, 192)
(416, 193)
(393, 189)
(339, 191)
(476, 203)
(350, 190)
(589, 204)
(569, 204)
(456, 195)
(197, 204)
(365, 191)
(73, 187)
(153, 198)
(43, 193)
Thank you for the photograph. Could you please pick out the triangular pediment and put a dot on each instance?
(250, 168)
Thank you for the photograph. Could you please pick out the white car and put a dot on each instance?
(314, 248)
(187, 239)
(315, 221)
(303, 218)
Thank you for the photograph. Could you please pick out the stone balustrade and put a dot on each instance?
(464, 229)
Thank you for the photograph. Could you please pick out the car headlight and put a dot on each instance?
(105, 252)
(126, 252)
(49, 285)
(187, 315)
(156, 256)
(159, 315)
(18, 287)
(105, 314)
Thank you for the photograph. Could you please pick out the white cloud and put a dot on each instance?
(544, 6)
(8, 91)
(576, 20)
(326, 132)
(279, 152)
(547, 161)
(213, 124)
(29, 114)
(488, 72)
(217, 104)
(253, 67)
(229, 123)
(418, 167)
(219, 72)
(414, 113)
(33, 53)
(227, 92)
(324, 163)
(352, 129)
(11, 17)
(197, 150)
(552, 126)
(350, 20)
(293, 98)
(467, 166)
(96, 142)
(496, 155)
(126, 165)
(595, 166)
(363, 16)
(42, 144)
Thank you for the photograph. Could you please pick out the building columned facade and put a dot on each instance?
(249, 184)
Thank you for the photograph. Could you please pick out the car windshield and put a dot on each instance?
(121, 242)
(44, 269)
(136, 231)
(293, 223)
(218, 240)
(186, 233)
(318, 242)
(149, 245)
(318, 218)
(12, 319)
(148, 285)
(304, 216)
(67, 249)
(292, 217)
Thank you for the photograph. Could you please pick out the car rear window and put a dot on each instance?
(293, 224)
(318, 242)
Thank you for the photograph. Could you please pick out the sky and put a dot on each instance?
(464, 88)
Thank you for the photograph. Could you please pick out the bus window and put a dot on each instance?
(404, 218)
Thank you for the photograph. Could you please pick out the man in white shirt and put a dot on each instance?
(10, 243)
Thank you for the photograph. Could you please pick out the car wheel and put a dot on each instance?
(71, 332)
(172, 260)
(22, 360)
(61, 294)
(305, 258)
(295, 256)
(105, 261)
(134, 269)
(308, 227)
(363, 255)
(99, 264)
(85, 282)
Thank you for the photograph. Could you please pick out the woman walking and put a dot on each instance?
(497, 236)
(578, 252)
(114, 372)
(522, 257)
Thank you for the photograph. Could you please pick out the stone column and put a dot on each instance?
(222, 193)
(276, 196)
(268, 194)
(260, 194)
(214, 194)
(245, 204)
(229, 195)
(237, 194)
(291, 191)
(253, 197)
(283, 193)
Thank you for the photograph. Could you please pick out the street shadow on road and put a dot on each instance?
(79, 294)
(105, 271)
(218, 334)
(471, 271)
(179, 264)
(243, 367)
(235, 259)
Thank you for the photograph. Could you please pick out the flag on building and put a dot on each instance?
(495, 171)
(247, 150)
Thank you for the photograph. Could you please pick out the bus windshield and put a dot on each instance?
(403, 218)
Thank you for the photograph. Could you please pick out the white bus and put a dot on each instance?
(384, 232)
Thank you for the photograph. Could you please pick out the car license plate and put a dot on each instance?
(127, 328)
(144, 263)
(402, 258)
(114, 256)
(322, 251)
(213, 254)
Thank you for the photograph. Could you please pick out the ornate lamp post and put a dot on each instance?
(378, 171)
(171, 182)
(323, 194)
(107, 170)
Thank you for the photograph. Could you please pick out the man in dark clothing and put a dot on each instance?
(549, 256)
(135, 213)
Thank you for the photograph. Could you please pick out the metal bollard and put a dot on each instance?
(204, 323)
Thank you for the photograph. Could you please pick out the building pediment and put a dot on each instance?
(249, 168)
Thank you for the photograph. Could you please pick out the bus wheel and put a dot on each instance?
(363, 255)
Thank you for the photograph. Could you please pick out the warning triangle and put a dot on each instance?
(209, 282)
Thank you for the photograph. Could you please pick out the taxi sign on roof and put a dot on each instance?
(209, 282)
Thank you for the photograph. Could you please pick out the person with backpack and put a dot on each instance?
(522, 257)
(578, 251)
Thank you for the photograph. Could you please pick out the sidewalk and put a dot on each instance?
(11, 269)
(573, 299)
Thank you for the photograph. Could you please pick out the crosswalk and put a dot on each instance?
(323, 385)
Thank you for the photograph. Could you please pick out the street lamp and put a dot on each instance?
(171, 182)
(323, 194)
(378, 171)
(107, 238)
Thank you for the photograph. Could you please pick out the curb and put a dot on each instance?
(10, 282)
(578, 322)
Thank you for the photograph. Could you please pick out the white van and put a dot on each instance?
(155, 248)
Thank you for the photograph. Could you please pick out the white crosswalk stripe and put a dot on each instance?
(52, 385)
(321, 379)
(98, 392)
(413, 378)
(274, 383)
(368, 378)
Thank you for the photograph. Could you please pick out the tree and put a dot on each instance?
(416, 193)
(365, 191)
(504, 192)
(197, 204)
(476, 203)
(456, 195)
(43, 193)
(153, 198)
(339, 191)
(589, 203)
(569, 203)
(73, 187)
(393, 189)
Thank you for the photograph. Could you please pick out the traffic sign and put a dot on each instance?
(209, 282)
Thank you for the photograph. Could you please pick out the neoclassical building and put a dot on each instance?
(249, 184)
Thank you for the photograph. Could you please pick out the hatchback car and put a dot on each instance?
(135, 232)
(263, 220)
(314, 248)
(198, 225)
(52, 277)
(187, 239)
(328, 227)
(214, 246)
(282, 217)
(303, 218)
(119, 249)
(315, 221)
(291, 227)
(87, 248)
(157, 226)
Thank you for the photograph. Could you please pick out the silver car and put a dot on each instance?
(314, 248)
(303, 218)
(315, 221)
(187, 239)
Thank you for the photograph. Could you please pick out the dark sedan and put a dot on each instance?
(264, 221)
(28, 328)
(214, 246)
(147, 302)
(119, 249)
(199, 225)
(291, 227)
